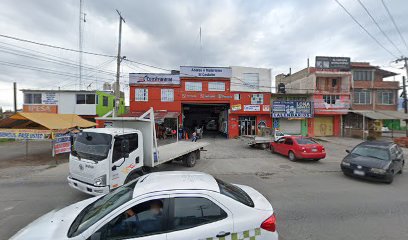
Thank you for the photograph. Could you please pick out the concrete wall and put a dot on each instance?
(265, 79)
(302, 85)
(67, 104)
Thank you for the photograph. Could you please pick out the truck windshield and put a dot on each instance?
(98, 209)
(93, 146)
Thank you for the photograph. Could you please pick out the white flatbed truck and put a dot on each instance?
(103, 159)
(262, 142)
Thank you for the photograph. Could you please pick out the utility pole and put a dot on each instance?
(80, 41)
(15, 96)
(118, 60)
(404, 91)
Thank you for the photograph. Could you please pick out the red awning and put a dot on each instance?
(158, 115)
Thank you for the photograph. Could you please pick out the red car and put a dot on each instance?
(297, 147)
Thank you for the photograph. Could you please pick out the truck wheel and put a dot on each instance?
(263, 146)
(190, 160)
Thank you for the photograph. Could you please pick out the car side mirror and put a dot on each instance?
(347, 151)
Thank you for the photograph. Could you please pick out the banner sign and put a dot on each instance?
(150, 78)
(205, 72)
(339, 63)
(49, 98)
(236, 107)
(40, 108)
(62, 143)
(292, 109)
(252, 108)
(28, 134)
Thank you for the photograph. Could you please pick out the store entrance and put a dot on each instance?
(247, 125)
(211, 120)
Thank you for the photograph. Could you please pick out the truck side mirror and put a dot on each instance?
(125, 148)
(347, 151)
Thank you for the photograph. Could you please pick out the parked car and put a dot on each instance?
(376, 160)
(211, 125)
(298, 147)
(163, 205)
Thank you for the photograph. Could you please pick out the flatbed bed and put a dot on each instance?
(175, 150)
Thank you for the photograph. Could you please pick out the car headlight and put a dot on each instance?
(377, 170)
(345, 164)
(100, 181)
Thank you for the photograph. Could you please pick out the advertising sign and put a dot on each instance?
(62, 143)
(149, 78)
(29, 134)
(40, 108)
(339, 63)
(49, 98)
(205, 72)
(292, 109)
(266, 108)
(236, 107)
(252, 108)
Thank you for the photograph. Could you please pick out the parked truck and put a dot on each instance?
(262, 142)
(103, 159)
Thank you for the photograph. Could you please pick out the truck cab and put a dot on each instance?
(103, 159)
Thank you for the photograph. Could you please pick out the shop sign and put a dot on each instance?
(332, 63)
(40, 108)
(236, 107)
(50, 98)
(27, 134)
(148, 78)
(292, 109)
(205, 72)
(62, 143)
(252, 108)
(266, 108)
(205, 96)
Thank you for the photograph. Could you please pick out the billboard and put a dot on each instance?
(205, 72)
(252, 108)
(332, 63)
(150, 78)
(292, 109)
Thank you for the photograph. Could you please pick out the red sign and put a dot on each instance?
(40, 108)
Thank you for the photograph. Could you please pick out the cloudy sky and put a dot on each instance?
(272, 34)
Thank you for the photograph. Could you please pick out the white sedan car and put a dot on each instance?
(163, 205)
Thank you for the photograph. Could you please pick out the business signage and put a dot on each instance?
(49, 98)
(332, 63)
(266, 108)
(236, 107)
(27, 134)
(216, 96)
(252, 108)
(149, 78)
(62, 143)
(292, 109)
(205, 72)
(40, 108)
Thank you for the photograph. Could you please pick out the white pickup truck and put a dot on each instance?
(103, 159)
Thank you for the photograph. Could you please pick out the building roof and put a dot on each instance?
(382, 115)
(175, 180)
(50, 121)
(367, 65)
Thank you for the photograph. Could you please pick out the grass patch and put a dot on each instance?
(4, 140)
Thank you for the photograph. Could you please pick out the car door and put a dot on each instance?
(279, 145)
(287, 146)
(145, 219)
(121, 166)
(198, 216)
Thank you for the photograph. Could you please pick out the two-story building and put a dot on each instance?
(87, 104)
(329, 88)
(232, 101)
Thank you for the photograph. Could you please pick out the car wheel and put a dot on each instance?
(190, 160)
(400, 172)
(292, 156)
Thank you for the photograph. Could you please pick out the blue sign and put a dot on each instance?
(276, 123)
(292, 109)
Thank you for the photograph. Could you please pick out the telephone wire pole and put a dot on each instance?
(118, 60)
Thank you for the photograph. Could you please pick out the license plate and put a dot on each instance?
(314, 150)
(359, 173)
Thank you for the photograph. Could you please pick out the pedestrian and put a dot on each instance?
(194, 138)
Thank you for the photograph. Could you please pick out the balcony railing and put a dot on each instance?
(340, 104)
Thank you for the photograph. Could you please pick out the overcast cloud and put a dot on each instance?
(271, 34)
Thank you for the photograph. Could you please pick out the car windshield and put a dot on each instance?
(235, 193)
(368, 151)
(93, 146)
(277, 133)
(101, 207)
(305, 141)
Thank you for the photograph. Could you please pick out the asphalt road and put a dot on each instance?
(312, 200)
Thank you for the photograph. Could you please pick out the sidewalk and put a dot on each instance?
(343, 141)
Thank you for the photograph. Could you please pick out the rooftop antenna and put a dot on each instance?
(201, 49)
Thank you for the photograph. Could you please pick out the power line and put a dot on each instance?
(369, 34)
(395, 25)
(378, 26)
(53, 46)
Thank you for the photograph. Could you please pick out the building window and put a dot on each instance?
(385, 97)
(216, 86)
(257, 99)
(85, 98)
(97, 99)
(362, 97)
(237, 96)
(105, 101)
(330, 99)
(114, 102)
(167, 95)
(141, 94)
(194, 86)
(32, 98)
(361, 75)
(251, 79)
